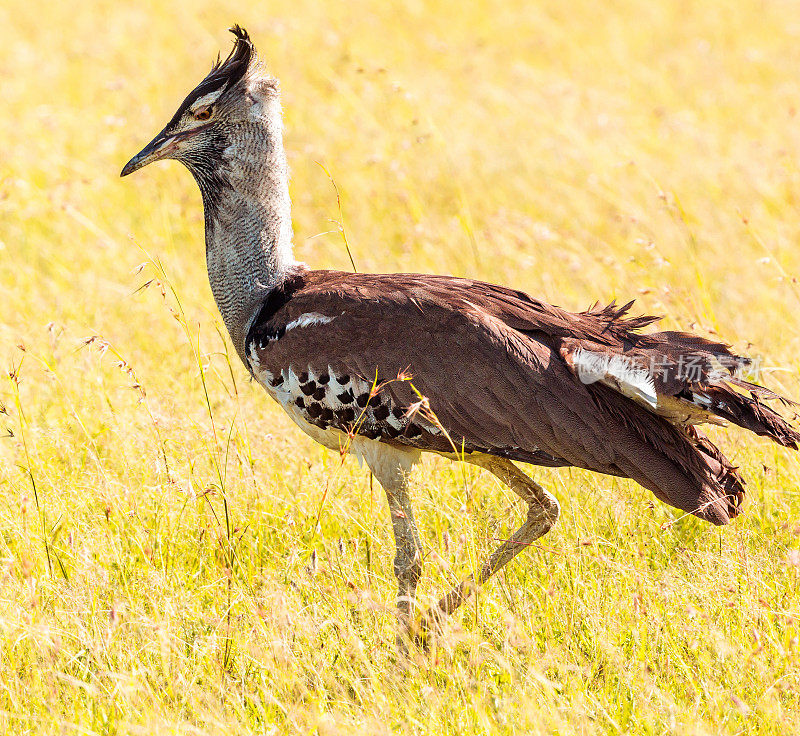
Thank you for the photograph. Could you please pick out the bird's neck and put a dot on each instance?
(248, 227)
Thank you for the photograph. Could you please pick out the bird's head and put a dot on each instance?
(236, 96)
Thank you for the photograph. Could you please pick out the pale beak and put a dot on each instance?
(162, 146)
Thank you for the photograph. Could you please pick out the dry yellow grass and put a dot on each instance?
(177, 558)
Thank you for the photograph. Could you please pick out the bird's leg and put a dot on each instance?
(391, 467)
(543, 510)
(408, 556)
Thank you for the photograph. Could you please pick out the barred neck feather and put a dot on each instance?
(244, 183)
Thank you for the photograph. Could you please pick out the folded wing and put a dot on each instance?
(448, 365)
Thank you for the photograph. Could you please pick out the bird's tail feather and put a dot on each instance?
(679, 465)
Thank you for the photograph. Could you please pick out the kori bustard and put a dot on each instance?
(504, 377)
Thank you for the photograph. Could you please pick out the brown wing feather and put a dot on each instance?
(493, 363)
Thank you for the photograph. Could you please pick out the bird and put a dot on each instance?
(388, 366)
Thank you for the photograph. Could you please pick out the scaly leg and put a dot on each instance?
(408, 557)
(543, 510)
(391, 467)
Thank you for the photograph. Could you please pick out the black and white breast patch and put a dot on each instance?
(346, 403)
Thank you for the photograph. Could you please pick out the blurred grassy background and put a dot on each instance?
(176, 564)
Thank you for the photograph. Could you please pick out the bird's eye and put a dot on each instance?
(204, 113)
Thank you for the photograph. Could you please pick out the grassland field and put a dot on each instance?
(176, 558)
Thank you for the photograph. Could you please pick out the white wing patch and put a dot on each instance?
(306, 320)
(617, 372)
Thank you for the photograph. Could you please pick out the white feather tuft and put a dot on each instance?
(618, 372)
(306, 320)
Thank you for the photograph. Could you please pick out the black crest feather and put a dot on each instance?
(229, 72)
(224, 74)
